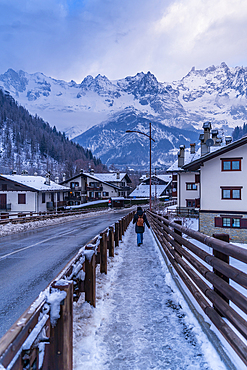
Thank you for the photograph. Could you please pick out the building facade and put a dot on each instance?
(223, 190)
(85, 187)
(24, 193)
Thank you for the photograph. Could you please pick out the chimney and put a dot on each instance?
(118, 175)
(192, 148)
(81, 171)
(181, 156)
(13, 172)
(207, 127)
(47, 179)
(92, 171)
(214, 136)
(64, 176)
(35, 174)
(228, 140)
(205, 149)
(57, 180)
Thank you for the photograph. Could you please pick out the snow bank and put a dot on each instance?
(10, 228)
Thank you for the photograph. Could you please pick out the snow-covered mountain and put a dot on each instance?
(97, 112)
(219, 93)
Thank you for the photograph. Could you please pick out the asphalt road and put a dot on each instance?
(30, 260)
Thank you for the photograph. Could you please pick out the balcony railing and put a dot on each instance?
(92, 188)
(5, 207)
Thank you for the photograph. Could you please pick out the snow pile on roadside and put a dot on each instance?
(10, 228)
(88, 319)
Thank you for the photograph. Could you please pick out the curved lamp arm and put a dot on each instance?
(139, 132)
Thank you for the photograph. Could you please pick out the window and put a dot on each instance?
(235, 222)
(190, 203)
(58, 197)
(231, 164)
(105, 193)
(21, 198)
(72, 185)
(174, 177)
(43, 197)
(226, 222)
(230, 192)
(231, 222)
(4, 187)
(191, 186)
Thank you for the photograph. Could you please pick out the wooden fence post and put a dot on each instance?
(61, 346)
(179, 222)
(111, 241)
(225, 258)
(116, 234)
(120, 229)
(103, 253)
(90, 280)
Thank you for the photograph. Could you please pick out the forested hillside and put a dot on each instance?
(239, 132)
(27, 142)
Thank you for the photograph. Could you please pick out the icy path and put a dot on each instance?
(141, 321)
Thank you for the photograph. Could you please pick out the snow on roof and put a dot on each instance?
(188, 157)
(166, 178)
(109, 177)
(36, 182)
(99, 178)
(143, 191)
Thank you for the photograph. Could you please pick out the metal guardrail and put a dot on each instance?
(42, 337)
(215, 295)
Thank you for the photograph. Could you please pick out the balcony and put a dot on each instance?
(94, 188)
(5, 207)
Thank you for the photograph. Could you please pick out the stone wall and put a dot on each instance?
(206, 226)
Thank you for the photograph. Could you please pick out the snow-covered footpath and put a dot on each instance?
(141, 320)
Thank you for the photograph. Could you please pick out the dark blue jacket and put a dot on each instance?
(140, 229)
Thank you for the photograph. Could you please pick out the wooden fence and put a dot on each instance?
(211, 289)
(42, 337)
(23, 217)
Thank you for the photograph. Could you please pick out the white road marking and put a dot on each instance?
(33, 245)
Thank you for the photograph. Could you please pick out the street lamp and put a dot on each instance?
(150, 166)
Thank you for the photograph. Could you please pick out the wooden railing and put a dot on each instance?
(42, 337)
(23, 217)
(194, 266)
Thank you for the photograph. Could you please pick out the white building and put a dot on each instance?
(186, 180)
(95, 186)
(185, 184)
(223, 190)
(24, 193)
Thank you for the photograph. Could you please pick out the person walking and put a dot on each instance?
(140, 219)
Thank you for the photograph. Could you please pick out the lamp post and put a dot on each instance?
(150, 164)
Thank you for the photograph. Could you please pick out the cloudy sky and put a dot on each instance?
(69, 39)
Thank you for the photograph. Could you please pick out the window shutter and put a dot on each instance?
(197, 179)
(243, 223)
(218, 221)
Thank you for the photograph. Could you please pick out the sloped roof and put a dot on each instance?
(35, 182)
(111, 177)
(106, 178)
(166, 178)
(188, 157)
(195, 165)
(142, 191)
